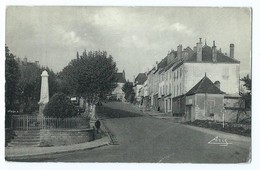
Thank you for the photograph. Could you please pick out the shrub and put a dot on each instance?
(59, 106)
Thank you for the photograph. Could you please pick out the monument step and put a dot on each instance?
(12, 144)
(27, 132)
(21, 139)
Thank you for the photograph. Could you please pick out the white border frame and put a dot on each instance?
(191, 3)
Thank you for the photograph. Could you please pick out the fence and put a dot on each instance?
(25, 122)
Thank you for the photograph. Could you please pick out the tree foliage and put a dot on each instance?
(30, 86)
(23, 84)
(129, 91)
(59, 106)
(12, 75)
(247, 94)
(90, 75)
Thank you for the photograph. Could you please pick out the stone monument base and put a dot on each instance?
(41, 108)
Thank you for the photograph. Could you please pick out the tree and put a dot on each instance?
(129, 91)
(91, 75)
(246, 95)
(29, 86)
(12, 75)
(59, 106)
(245, 101)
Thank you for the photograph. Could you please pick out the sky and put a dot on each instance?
(136, 37)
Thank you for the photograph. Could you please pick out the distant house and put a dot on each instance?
(118, 93)
(26, 62)
(138, 86)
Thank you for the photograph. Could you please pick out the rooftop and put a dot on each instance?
(205, 85)
(120, 78)
(141, 78)
(207, 56)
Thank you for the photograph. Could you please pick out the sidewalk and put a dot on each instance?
(22, 152)
(160, 115)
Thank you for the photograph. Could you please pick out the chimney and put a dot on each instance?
(214, 52)
(232, 48)
(195, 49)
(199, 51)
(179, 51)
(156, 65)
(217, 84)
(124, 74)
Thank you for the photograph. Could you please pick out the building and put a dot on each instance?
(181, 70)
(138, 87)
(25, 61)
(204, 100)
(118, 93)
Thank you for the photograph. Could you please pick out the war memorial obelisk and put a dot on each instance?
(44, 98)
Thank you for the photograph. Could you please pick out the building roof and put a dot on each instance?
(141, 78)
(162, 64)
(207, 56)
(205, 85)
(120, 78)
(153, 69)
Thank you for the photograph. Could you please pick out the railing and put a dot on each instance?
(25, 122)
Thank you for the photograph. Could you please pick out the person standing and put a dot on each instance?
(97, 125)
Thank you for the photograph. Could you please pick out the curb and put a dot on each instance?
(22, 157)
(113, 141)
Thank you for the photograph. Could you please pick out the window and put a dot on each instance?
(211, 105)
(166, 90)
(163, 90)
(174, 76)
(174, 91)
(170, 104)
(177, 93)
(180, 72)
(180, 89)
(170, 88)
(177, 74)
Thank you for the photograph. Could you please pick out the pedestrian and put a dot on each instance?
(97, 125)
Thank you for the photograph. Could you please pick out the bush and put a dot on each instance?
(59, 106)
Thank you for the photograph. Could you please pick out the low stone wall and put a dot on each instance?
(9, 135)
(58, 137)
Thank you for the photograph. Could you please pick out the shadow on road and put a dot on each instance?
(110, 113)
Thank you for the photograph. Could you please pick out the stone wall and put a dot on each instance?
(58, 137)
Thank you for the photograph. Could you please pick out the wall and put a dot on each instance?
(156, 82)
(200, 108)
(58, 137)
(190, 102)
(177, 83)
(137, 94)
(203, 105)
(226, 73)
(178, 106)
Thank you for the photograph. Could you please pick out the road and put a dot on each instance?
(148, 139)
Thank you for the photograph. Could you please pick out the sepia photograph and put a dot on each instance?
(124, 84)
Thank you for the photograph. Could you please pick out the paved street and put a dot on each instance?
(147, 139)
